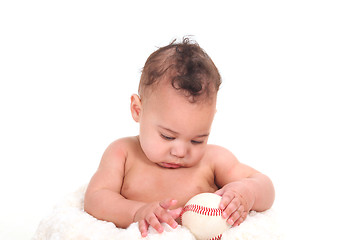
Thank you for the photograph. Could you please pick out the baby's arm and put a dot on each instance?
(104, 201)
(242, 188)
(102, 197)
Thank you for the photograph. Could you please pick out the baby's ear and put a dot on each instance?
(135, 107)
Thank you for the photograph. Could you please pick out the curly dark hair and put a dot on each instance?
(186, 65)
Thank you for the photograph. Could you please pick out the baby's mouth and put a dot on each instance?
(170, 165)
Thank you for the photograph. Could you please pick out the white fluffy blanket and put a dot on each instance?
(68, 221)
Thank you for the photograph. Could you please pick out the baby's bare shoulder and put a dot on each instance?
(227, 167)
(123, 143)
(110, 172)
(118, 150)
(217, 153)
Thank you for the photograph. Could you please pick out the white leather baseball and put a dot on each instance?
(202, 216)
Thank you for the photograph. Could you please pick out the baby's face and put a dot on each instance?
(173, 131)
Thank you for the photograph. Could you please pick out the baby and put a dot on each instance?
(148, 178)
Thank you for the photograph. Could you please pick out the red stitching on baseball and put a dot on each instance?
(216, 238)
(202, 210)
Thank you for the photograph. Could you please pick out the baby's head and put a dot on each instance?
(186, 67)
(176, 104)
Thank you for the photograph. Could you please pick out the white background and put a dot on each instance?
(289, 104)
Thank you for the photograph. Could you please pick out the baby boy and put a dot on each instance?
(148, 178)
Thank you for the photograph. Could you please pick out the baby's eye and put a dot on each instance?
(196, 142)
(167, 137)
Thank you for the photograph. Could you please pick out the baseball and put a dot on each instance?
(202, 216)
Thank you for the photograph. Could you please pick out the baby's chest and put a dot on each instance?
(160, 184)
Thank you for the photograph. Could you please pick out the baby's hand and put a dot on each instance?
(234, 203)
(153, 214)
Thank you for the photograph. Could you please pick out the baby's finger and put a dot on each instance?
(241, 219)
(225, 200)
(235, 216)
(238, 222)
(231, 208)
(165, 217)
(154, 222)
(143, 227)
(166, 204)
(220, 192)
(244, 215)
(175, 213)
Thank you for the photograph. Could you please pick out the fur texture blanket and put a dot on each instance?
(68, 221)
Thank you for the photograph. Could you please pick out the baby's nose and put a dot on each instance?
(178, 150)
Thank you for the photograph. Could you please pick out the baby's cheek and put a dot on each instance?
(155, 152)
(197, 155)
